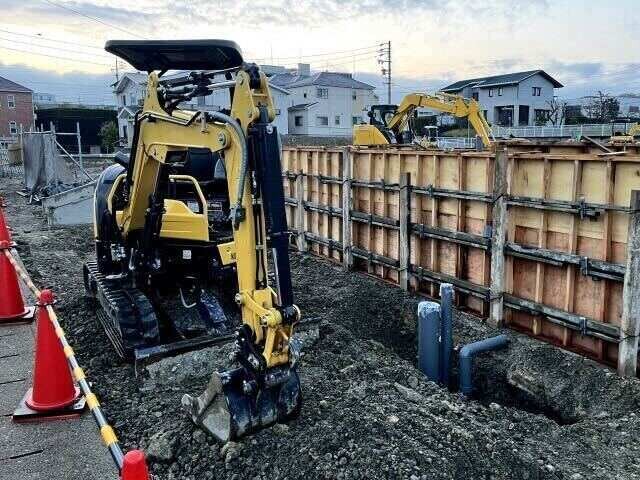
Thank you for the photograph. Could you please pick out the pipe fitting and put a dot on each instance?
(467, 354)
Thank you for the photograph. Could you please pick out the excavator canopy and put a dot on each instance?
(150, 55)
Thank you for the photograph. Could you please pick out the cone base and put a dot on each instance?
(25, 317)
(24, 412)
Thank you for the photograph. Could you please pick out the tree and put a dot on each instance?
(557, 112)
(602, 108)
(108, 136)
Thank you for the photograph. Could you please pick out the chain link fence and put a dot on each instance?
(8, 166)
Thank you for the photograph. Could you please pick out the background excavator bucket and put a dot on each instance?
(234, 404)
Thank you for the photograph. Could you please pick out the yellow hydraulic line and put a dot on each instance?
(106, 431)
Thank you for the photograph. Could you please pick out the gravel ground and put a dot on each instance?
(368, 413)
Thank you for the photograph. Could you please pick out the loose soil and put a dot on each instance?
(368, 413)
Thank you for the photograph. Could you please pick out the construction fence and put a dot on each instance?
(533, 237)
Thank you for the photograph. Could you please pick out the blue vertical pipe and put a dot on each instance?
(446, 331)
(428, 339)
(468, 352)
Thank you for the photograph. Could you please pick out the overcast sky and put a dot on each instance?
(55, 46)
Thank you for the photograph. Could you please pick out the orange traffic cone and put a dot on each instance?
(5, 235)
(12, 307)
(53, 392)
(134, 466)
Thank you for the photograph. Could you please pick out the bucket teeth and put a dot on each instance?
(228, 410)
(197, 406)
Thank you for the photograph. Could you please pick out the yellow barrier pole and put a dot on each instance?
(106, 431)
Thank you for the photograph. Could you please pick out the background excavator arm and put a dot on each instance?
(455, 105)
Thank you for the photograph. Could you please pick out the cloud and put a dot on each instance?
(69, 87)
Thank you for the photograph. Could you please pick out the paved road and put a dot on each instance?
(61, 449)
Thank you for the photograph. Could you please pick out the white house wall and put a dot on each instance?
(135, 92)
(340, 103)
(516, 95)
(525, 95)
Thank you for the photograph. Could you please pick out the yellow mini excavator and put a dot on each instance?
(388, 123)
(628, 138)
(185, 227)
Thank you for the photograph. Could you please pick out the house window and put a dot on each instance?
(475, 96)
(634, 109)
(491, 92)
(354, 96)
(337, 120)
(499, 91)
(201, 101)
(537, 91)
(322, 92)
(278, 111)
(322, 121)
(523, 115)
(11, 101)
(13, 128)
(298, 121)
(541, 116)
(124, 100)
(355, 120)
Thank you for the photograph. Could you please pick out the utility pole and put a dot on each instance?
(384, 59)
(117, 72)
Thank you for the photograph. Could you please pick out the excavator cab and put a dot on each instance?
(378, 132)
(190, 232)
(380, 115)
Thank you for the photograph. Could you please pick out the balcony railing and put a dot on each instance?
(575, 131)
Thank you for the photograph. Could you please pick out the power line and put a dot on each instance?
(39, 37)
(51, 2)
(334, 61)
(57, 48)
(56, 56)
(312, 55)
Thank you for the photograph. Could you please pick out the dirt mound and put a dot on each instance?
(367, 411)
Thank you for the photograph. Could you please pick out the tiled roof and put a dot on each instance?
(321, 79)
(9, 86)
(506, 79)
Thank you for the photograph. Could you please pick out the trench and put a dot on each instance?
(492, 386)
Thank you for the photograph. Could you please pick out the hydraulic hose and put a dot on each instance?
(237, 211)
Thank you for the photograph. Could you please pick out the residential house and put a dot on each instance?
(629, 106)
(43, 99)
(324, 103)
(16, 109)
(131, 90)
(512, 99)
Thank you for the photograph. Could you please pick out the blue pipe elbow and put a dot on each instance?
(467, 354)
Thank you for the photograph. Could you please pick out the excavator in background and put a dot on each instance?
(187, 226)
(388, 124)
(626, 139)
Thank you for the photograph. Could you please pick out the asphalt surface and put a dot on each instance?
(66, 449)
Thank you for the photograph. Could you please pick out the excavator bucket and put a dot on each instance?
(234, 404)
